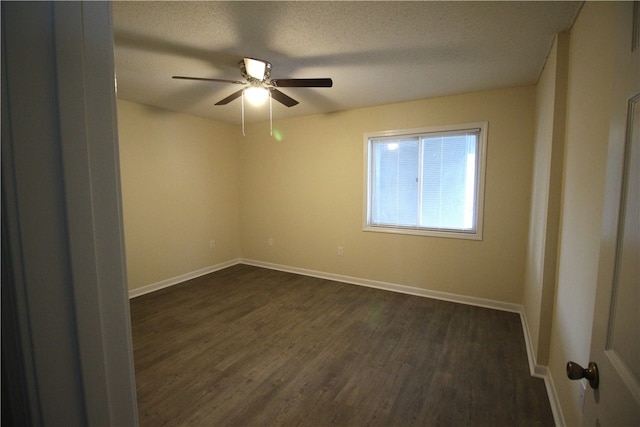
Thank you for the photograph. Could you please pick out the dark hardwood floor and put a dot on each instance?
(247, 346)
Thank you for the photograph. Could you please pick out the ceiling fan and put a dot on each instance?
(260, 85)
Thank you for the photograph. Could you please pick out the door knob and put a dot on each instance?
(576, 372)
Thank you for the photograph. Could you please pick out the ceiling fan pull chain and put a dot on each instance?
(243, 134)
(270, 116)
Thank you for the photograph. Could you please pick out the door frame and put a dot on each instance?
(63, 248)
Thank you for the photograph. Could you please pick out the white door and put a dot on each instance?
(615, 341)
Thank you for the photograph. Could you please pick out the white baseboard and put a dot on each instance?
(445, 296)
(531, 357)
(558, 416)
(182, 278)
(540, 371)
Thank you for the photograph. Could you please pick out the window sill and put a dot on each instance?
(447, 234)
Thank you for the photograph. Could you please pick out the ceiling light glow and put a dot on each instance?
(256, 95)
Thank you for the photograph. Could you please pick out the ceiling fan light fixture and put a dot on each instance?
(255, 68)
(256, 95)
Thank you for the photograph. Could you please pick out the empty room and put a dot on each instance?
(320, 213)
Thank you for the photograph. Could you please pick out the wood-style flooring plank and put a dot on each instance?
(247, 346)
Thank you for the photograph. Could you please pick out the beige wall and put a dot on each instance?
(305, 191)
(588, 108)
(540, 268)
(179, 191)
(187, 180)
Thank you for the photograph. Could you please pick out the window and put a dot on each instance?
(426, 181)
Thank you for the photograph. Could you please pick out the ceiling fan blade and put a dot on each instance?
(209, 80)
(302, 82)
(282, 98)
(230, 98)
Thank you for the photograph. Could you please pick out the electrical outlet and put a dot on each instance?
(340, 251)
(270, 241)
(212, 244)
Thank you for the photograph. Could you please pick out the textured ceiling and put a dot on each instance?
(375, 52)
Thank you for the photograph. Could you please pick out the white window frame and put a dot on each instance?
(433, 232)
